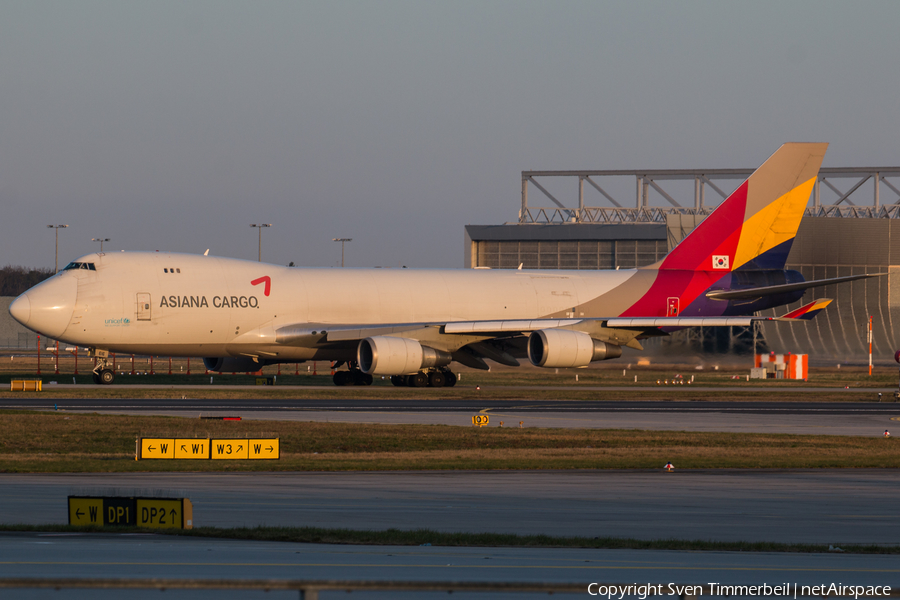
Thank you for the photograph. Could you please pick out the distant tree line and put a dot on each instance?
(15, 280)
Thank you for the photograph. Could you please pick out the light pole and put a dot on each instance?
(342, 240)
(260, 227)
(56, 254)
(101, 240)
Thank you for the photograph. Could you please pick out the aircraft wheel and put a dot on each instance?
(398, 380)
(436, 379)
(107, 376)
(341, 378)
(449, 378)
(417, 380)
(360, 378)
(95, 377)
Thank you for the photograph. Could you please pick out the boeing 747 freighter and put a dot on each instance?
(412, 324)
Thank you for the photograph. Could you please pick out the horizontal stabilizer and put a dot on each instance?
(771, 290)
(808, 311)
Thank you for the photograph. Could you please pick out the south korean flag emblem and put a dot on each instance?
(720, 261)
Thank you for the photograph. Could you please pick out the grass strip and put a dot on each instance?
(599, 374)
(59, 442)
(568, 384)
(420, 537)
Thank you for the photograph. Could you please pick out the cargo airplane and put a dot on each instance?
(411, 324)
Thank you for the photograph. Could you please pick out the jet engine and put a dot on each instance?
(232, 364)
(386, 355)
(566, 348)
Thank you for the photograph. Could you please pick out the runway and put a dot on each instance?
(406, 404)
(832, 418)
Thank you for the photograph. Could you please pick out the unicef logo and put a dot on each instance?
(123, 322)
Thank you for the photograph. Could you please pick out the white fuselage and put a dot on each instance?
(188, 305)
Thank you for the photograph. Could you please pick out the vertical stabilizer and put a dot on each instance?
(756, 225)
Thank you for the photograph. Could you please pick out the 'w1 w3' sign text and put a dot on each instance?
(208, 449)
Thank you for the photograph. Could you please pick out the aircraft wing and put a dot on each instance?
(481, 336)
(303, 334)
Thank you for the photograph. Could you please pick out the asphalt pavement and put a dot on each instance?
(133, 557)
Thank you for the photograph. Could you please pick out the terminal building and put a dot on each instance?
(842, 233)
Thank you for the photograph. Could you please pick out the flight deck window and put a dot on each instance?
(165, 270)
(79, 265)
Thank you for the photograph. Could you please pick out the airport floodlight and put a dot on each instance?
(260, 226)
(56, 254)
(101, 240)
(342, 240)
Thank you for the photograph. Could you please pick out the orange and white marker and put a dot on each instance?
(887, 433)
(870, 343)
(669, 467)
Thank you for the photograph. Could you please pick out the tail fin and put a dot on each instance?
(756, 225)
(807, 311)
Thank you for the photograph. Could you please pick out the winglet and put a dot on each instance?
(806, 312)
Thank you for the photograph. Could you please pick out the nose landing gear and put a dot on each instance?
(102, 373)
(103, 376)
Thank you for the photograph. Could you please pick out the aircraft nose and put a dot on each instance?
(20, 309)
(47, 307)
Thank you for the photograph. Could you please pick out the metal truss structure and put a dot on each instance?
(838, 203)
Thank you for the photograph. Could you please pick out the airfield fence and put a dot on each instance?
(53, 358)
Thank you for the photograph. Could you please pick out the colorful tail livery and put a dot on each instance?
(755, 226)
(733, 262)
(808, 311)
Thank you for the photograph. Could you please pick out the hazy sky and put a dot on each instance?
(173, 125)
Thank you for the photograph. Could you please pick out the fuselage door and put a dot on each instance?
(142, 312)
(672, 307)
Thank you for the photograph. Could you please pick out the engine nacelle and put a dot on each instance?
(232, 364)
(386, 355)
(566, 348)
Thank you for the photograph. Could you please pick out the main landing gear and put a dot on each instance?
(352, 377)
(433, 378)
(436, 379)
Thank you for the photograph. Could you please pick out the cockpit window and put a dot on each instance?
(80, 265)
